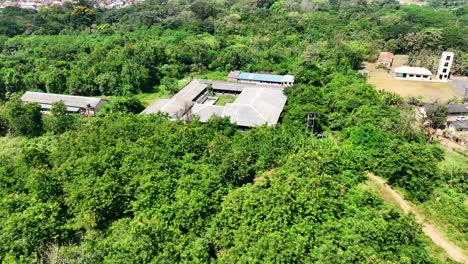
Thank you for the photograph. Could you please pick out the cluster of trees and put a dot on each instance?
(18, 119)
(126, 188)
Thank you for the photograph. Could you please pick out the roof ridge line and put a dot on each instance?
(256, 96)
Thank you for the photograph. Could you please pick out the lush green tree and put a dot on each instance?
(123, 105)
(60, 120)
(437, 115)
(82, 16)
(23, 119)
(170, 84)
(412, 166)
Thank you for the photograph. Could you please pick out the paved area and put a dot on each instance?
(459, 85)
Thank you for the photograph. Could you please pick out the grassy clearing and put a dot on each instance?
(437, 252)
(217, 75)
(225, 99)
(10, 146)
(448, 212)
(429, 91)
(149, 98)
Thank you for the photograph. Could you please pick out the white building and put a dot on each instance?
(413, 73)
(446, 60)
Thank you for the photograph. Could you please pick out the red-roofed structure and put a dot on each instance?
(386, 59)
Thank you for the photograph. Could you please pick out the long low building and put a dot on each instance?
(261, 78)
(255, 105)
(413, 73)
(73, 104)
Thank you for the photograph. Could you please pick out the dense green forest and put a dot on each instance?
(126, 188)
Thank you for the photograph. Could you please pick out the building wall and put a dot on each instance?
(101, 104)
(251, 81)
(411, 76)
(385, 64)
(445, 65)
(262, 82)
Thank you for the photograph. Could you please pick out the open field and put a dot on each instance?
(225, 99)
(429, 91)
(149, 98)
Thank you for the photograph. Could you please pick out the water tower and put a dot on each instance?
(446, 60)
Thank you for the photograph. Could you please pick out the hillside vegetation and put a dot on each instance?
(126, 188)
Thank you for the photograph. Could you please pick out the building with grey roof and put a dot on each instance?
(458, 125)
(73, 104)
(255, 105)
(457, 109)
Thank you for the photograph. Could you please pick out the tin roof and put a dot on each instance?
(205, 112)
(237, 86)
(233, 74)
(259, 77)
(457, 108)
(386, 57)
(71, 101)
(256, 106)
(459, 124)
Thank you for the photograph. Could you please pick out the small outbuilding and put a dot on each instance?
(413, 73)
(364, 72)
(74, 104)
(385, 59)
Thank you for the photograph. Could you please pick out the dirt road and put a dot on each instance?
(431, 231)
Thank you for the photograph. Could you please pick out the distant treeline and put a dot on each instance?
(77, 49)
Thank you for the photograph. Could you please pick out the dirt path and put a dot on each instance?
(450, 145)
(431, 231)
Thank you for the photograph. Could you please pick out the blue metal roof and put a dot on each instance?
(266, 77)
